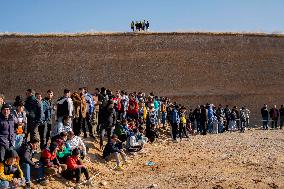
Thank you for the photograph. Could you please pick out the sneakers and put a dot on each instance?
(118, 168)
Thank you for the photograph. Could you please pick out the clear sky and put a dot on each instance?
(58, 16)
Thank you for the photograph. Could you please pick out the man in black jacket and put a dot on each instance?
(264, 114)
(108, 121)
(33, 109)
(25, 153)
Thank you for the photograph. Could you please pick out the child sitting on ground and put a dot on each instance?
(112, 152)
(75, 168)
(11, 175)
(133, 144)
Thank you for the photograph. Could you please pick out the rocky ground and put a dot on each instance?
(253, 159)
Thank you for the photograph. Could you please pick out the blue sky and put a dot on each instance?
(57, 16)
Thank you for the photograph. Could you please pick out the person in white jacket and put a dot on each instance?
(74, 141)
(63, 125)
(133, 143)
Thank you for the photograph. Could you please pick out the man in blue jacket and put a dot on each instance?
(175, 120)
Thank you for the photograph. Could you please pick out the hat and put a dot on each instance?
(5, 106)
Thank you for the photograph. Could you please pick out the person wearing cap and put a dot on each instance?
(75, 168)
(11, 175)
(7, 133)
(111, 151)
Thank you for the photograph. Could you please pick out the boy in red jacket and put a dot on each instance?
(75, 168)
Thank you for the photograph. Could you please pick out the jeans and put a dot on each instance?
(42, 129)
(164, 116)
(4, 184)
(95, 121)
(27, 169)
(265, 122)
(243, 124)
(115, 156)
(2, 153)
(220, 127)
(247, 122)
(210, 125)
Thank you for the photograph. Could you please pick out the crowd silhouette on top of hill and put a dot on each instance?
(140, 26)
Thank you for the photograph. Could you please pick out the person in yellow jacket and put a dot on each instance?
(182, 124)
(11, 174)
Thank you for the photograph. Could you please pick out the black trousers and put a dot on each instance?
(174, 130)
(31, 128)
(42, 129)
(48, 132)
(70, 174)
(203, 127)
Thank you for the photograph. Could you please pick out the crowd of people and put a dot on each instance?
(140, 26)
(122, 122)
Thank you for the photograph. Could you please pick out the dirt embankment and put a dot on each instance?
(241, 69)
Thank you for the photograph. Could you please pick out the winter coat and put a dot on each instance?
(25, 153)
(108, 117)
(109, 149)
(33, 109)
(133, 107)
(80, 105)
(7, 132)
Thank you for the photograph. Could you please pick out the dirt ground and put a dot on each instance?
(253, 159)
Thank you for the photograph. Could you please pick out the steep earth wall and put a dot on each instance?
(192, 68)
